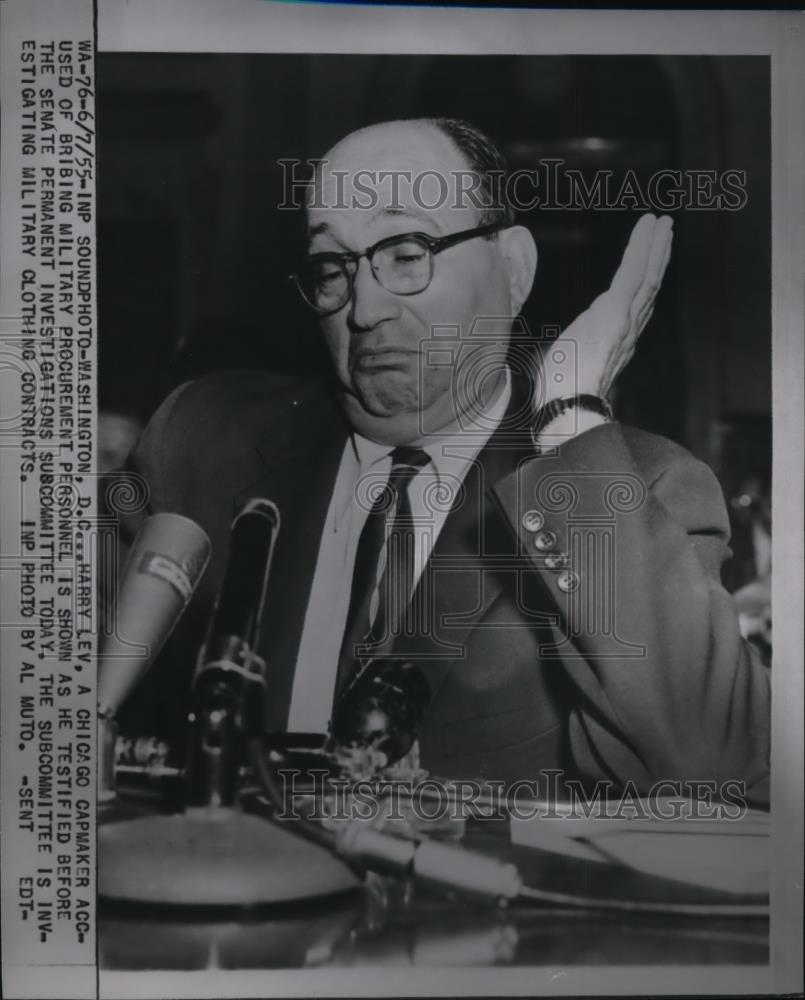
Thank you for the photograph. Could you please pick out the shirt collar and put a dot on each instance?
(368, 453)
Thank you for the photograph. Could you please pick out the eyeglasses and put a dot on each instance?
(401, 264)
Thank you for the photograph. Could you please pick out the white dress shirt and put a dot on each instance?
(365, 466)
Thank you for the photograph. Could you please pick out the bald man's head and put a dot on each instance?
(385, 305)
(475, 181)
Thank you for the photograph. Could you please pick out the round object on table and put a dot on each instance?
(214, 858)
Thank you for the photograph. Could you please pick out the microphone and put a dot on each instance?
(229, 683)
(382, 709)
(234, 631)
(214, 854)
(166, 561)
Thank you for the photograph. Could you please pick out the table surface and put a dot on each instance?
(386, 923)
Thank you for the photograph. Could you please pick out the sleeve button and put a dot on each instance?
(567, 581)
(545, 541)
(555, 560)
(533, 520)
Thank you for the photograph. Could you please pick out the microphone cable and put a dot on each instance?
(456, 869)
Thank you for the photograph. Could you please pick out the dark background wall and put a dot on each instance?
(194, 251)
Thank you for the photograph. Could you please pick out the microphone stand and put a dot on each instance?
(212, 853)
(228, 694)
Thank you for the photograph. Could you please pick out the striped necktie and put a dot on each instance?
(383, 578)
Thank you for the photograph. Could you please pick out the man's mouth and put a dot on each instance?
(381, 357)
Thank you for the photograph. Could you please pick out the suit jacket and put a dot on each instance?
(572, 615)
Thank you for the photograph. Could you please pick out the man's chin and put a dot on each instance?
(387, 393)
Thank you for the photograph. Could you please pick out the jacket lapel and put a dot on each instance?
(475, 555)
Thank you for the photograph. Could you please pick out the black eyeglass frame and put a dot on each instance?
(350, 260)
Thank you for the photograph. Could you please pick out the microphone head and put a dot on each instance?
(382, 709)
(241, 600)
(164, 566)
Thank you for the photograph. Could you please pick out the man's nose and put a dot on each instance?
(371, 302)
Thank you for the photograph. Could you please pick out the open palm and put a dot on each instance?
(605, 335)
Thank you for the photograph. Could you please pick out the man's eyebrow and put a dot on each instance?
(317, 230)
(385, 213)
(411, 213)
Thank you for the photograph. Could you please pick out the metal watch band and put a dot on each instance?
(556, 407)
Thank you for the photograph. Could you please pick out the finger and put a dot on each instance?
(632, 271)
(642, 320)
(659, 256)
(667, 257)
(643, 304)
(660, 250)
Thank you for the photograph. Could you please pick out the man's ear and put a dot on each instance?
(520, 253)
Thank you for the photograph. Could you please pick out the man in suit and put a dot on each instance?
(559, 578)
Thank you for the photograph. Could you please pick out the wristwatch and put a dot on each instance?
(548, 413)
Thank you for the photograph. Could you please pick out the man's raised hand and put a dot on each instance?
(606, 334)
